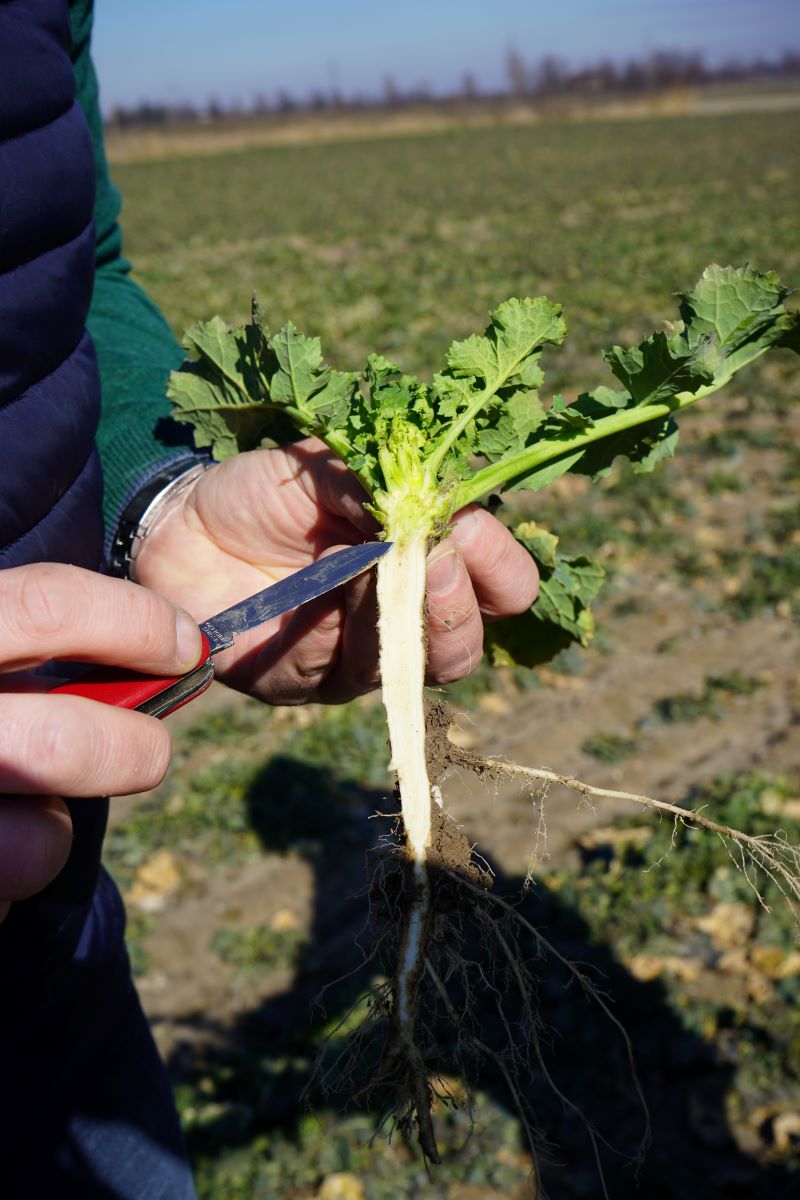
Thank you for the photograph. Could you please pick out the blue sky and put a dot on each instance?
(177, 50)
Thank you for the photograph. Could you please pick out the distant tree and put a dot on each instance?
(517, 74)
(633, 77)
(551, 75)
(317, 101)
(392, 96)
(469, 87)
(284, 102)
(336, 98)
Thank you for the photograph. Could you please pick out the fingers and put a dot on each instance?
(455, 627)
(65, 745)
(477, 573)
(71, 746)
(504, 576)
(330, 485)
(357, 670)
(272, 507)
(292, 665)
(328, 650)
(53, 611)
(35, 841)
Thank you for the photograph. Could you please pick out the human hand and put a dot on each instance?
(55, 745)
(260, 516)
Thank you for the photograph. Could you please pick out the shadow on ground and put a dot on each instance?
(261, 1066)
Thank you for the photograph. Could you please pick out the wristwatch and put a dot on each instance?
(145, 507)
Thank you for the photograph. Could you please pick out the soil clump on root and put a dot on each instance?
(455, 882)
(438, 747)
(441, 753)
(392, 886)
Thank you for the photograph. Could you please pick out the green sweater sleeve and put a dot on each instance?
(135, 347)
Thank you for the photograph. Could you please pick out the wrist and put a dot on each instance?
(163, 494)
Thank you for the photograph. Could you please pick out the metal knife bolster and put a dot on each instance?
(180, 692)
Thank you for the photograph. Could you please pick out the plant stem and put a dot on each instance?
(494, 477)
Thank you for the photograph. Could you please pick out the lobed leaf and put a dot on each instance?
(223, 393)
(741, 312)
(517, 329)
(509, 427)
(561, 613)
(731, 304)
(321, 396)
(658, 369)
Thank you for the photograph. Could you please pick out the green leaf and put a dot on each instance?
(790, 338)
(222, 392)
(567, 417)
(486, 401)
(741, 311)
(406, 438)
(525, 641)
(533, 480)
(659, 369)
(539, 542)
(730, 304)
(503, 353)
(564, 597)
(561, 613)
(321, 396)
(512, 425)
(645, 446)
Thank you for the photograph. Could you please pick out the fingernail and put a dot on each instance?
(443, 572)
(466, 527)
(188, 639)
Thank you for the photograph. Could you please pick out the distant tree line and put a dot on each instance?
(551, 78)
(659, 71)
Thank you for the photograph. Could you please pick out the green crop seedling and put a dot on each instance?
(421, 452)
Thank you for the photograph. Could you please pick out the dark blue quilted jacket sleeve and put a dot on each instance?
(135, 347)
(61, 952)
(50, 484)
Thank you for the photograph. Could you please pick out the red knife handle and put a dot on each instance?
(152, 694)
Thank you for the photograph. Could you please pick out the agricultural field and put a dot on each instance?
(243, 871)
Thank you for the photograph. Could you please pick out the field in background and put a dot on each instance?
(240, 870)
(142, 142)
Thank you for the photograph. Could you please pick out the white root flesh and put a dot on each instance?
(401, 611)
(401, 615)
